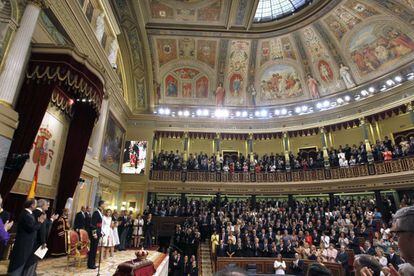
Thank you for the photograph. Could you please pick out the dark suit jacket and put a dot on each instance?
(299, 269)
(343, 258)
(80, 221)
(25, 239)
(96, 224)
(148, 227)
(395, 260)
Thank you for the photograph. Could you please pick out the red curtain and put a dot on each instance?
(31, 105)
(77, 141)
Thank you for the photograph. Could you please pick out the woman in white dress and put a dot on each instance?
(115, 228)
(107, 233)
(140, 228)
(279, 265)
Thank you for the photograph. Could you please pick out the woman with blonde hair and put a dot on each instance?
(379, 255)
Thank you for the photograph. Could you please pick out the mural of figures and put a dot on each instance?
(202, 88)
(313, 87)
(111, 147)
(277, 48)
(171, 86)
(280, 82)
(378, 46)
(361, 8)
(236, 82)
(237, 72)
(135, 155)
(206, 52)
(45, 150)
(346, 76)
(186, 89)
(325, 71)
(167, 50)
(220, 94)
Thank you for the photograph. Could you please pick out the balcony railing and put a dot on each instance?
(379, 168)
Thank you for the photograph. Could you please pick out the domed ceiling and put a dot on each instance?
(335, 47)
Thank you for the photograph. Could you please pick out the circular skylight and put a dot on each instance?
(269, 10)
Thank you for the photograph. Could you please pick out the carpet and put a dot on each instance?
(60, 266)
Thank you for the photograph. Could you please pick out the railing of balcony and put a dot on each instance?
(379, 168)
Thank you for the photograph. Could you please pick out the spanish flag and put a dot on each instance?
(32, 191)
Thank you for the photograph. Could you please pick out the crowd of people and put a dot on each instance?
(344, 156)
(310, 229)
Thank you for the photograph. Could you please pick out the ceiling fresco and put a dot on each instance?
(355, 42)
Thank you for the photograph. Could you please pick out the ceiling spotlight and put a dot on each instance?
(283, 111)
(167, 111)
(325, 103)
(347, 98)
(83, 100)
(180, 113)
(161, 111)
(304, 108)
(298, 109)
(244, 114)
(364, 93)
(357, 97)
(263, 113)
(206, 112)
(277, 112)
(340, 100)
(410, 76)
(390, 82)
(319, 105)
(199, 112)
(371, 89)
(238, 113)
(398, 78)
(383, 88)
(155, 112)
(257, 113)
(186, 113)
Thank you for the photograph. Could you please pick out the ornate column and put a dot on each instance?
(324, 147)
(285, 142)
(365, 135)
(12, 73)
(410, 110)
(98, 132)
(185, 146)
(249, 144)
(17, 56)
(216, 144)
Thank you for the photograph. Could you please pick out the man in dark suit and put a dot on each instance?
(343, 259)
(148, 231)
(95, 233)
(88, 218)
(41, 235)
(298, 266)
(222, 249)
(80, 220)
(178, 267)
(25, 239)
(393, 258)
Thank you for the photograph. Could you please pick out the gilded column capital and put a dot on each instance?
(322, 129)
(39, 3)
(362, 121)
(409, 106)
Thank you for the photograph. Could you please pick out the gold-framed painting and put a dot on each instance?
(112, 144)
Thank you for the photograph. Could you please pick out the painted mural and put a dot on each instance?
(277, 48)
(186, 83)
(408, 3)
(167, 50)
(186, 47)
(379, 46)
(45, 150)
(206, 51)
(279, 82)
(211, 11)
(237, 72)
(112, 145)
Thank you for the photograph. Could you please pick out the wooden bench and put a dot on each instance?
(265, 265)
